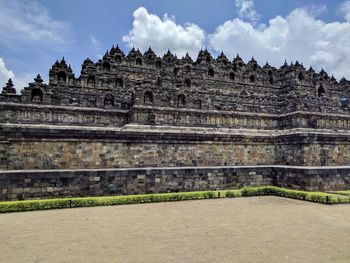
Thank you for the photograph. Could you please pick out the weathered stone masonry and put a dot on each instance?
(141, 110)
(96, 182)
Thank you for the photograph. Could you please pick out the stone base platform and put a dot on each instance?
(28, 184)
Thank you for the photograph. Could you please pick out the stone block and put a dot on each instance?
(141, 176)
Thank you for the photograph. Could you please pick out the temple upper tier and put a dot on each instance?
(120, 82)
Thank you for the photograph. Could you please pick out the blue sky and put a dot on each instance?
(33, 34)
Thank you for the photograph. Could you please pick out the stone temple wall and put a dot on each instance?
(120, 82)
(138, 110)
(75, 147)
(30, 184)
(59, 183)
(134, 146)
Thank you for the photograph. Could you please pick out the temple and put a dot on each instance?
(141, 111)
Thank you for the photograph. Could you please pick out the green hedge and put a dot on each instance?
(29, 205)
(345, 192)
(319, 197)
(42, 204)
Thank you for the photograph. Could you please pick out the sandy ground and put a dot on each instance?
(258, 229)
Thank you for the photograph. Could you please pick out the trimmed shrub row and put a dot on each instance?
(345, 192)
(318, 197)
(42, 204)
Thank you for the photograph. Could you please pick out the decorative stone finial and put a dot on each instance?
(222, 56)
(343, 81)
(87, 61)
(38, 79)
(323, 72)
(150, 53)
(168, 56)
(9, 89)
(187, 58)
(9, 83)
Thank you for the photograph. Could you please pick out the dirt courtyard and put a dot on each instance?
(257, 229)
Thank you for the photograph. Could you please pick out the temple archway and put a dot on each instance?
(148, 97)
(37, 96)
(181, 101)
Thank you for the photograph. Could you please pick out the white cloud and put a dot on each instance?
(22, 80)
(245, 10)
(29, 22)
(94, 41)
(345, 9)
(19, 81)
(315, 10)
(298, 36)
(97, 46)
(5, 73)
(163, 34)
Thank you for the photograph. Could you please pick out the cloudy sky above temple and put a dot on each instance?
(34, 34)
